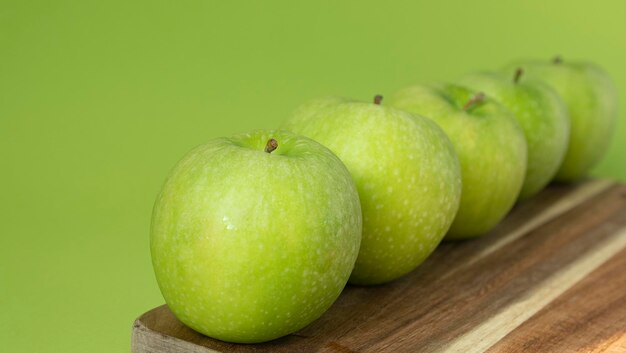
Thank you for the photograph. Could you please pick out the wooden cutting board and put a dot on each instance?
(550, 278)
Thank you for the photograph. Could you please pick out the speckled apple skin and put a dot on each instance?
(491, 148)
(541, 113)
(591, 100)
(407, 175)
(249, 246)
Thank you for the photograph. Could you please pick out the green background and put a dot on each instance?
(98, 100)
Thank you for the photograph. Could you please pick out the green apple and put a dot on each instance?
(542, 115)
(406, 172)
(591, 101)
(490, 144)
(253, 237)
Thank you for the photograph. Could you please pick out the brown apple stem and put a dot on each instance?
(377, 99)
(271, 145)
(479, 97)
(557, 60)
(518, 74)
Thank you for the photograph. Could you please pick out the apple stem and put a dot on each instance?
(479, 97)
(377, 99)
(271, 145)
(557, 59)
(518, 74)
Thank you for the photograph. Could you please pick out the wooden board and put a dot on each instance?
(550, 278)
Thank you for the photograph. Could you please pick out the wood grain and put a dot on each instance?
(550, 278)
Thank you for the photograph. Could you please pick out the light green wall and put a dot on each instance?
(98, 99)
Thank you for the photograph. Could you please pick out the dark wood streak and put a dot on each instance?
(584, 316)
(456, 289)
(336, 347)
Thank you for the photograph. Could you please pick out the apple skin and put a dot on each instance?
(591, 100)
(407, 175)
(542, 115)
(248, 246)
(491, 148)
